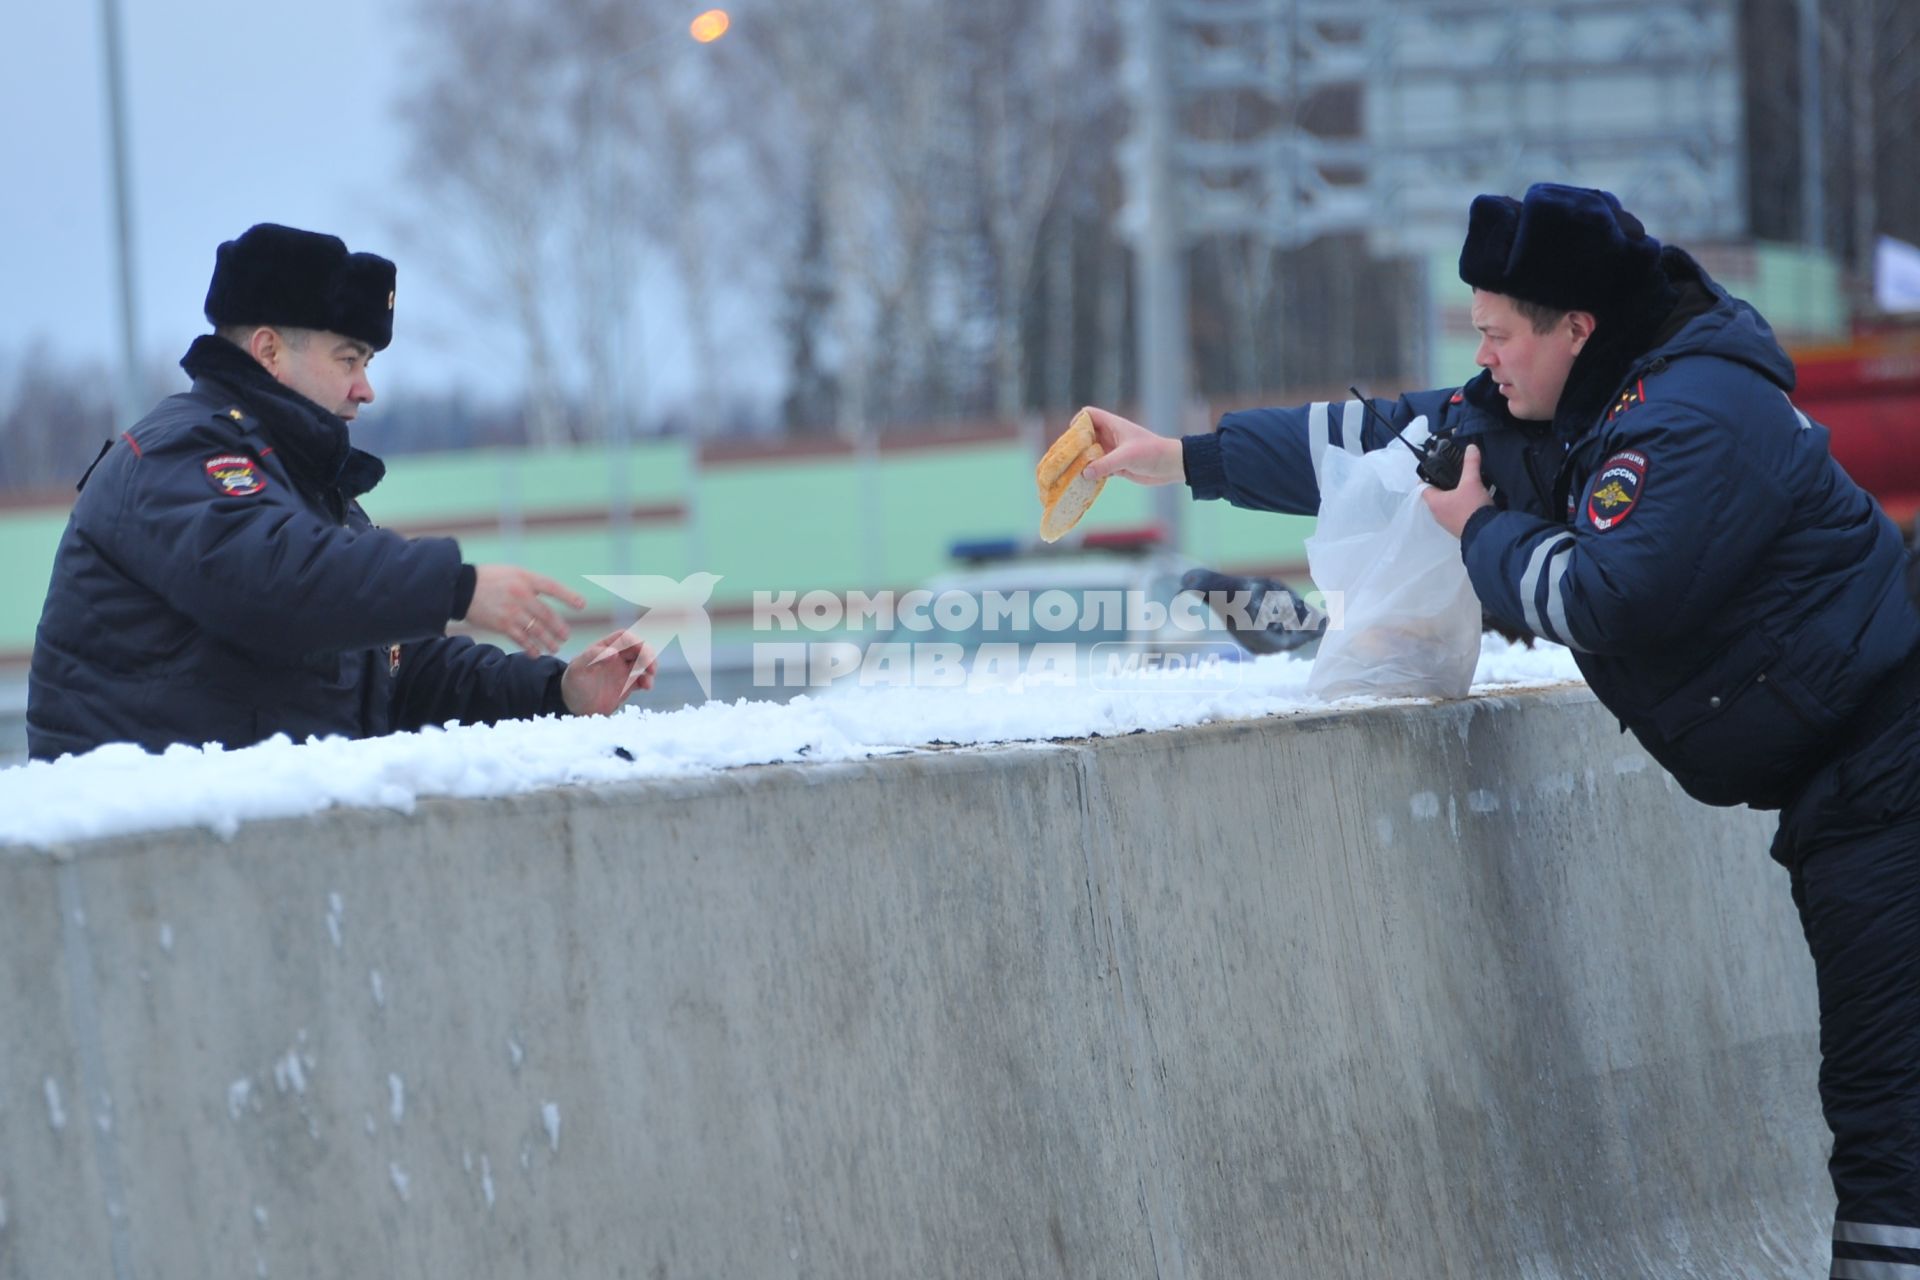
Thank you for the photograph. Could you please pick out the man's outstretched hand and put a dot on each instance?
(598, 681)
(1133, 452)
(506, 601)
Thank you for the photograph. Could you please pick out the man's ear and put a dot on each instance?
(266, 346)
(1581, 324)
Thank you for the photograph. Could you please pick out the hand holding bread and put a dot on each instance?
(1133, 452)
(1095, 445)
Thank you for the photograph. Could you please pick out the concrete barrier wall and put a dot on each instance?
(1465, 990)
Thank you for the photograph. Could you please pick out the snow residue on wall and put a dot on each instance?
(119, 790)
(290, 1073)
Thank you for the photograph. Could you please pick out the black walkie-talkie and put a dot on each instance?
(1440, 456)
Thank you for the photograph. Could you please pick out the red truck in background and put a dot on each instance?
(1866, 392)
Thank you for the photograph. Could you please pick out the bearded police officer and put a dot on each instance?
(218, 581)
(1639, 487)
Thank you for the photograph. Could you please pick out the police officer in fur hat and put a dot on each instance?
(219, 582)
(1638, 486)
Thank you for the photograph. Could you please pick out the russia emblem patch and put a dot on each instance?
(235, 475)
(1622, 479)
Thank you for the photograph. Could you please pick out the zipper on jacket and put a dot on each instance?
(1543, 486)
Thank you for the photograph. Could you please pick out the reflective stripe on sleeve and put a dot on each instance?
(1557, 569)
(1861, 1269)
(1352, 424)
(1530, 580)
(1875, 1233)
(1317, 436)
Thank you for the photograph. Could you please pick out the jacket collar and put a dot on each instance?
(1625, 337)
(312, 443)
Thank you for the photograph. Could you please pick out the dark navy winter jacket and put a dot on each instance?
(218, 581)
(1728, 592)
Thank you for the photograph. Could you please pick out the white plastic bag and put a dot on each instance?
(1405, 621)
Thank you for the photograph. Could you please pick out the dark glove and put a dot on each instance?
(1290, 626)
(1513, 635)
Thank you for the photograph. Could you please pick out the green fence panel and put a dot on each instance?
(28, 540)
(485, 481)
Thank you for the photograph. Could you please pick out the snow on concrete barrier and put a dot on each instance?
(1455, 990)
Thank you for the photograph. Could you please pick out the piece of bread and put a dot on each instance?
(1075, 494)
(1065, 492)
(1051, 494)
(1072, 443)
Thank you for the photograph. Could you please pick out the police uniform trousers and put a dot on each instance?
(1851, 842)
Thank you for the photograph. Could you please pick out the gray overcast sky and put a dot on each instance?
(239, 112)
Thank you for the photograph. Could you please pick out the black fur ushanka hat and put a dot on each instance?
(1572, 248)
(302, 279)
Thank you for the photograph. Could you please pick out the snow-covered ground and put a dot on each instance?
(119, 790)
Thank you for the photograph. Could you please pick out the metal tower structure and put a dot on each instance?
(1289, 120)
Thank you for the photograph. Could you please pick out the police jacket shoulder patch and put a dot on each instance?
(234, 475)
(1622, 479)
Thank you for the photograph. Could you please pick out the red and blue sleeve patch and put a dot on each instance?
(1617, 489)
(234, 475)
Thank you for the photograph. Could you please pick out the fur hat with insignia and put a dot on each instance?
(1572, 248)
(302, 279)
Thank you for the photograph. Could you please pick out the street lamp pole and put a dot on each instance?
(128, 399)
(1159, 265)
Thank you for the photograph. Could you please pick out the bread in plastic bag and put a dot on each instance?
(1406, 623)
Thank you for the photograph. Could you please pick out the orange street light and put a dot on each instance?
(710, 26)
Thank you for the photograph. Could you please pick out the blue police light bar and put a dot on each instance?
(976, 550)
(1137, 538)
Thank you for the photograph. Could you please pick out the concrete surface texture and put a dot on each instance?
(1464, 990)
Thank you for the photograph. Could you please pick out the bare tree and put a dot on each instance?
(871, 92)
(1869, 112)
(1023, 94)
(485, 155)
(924, 143)
(546, 162)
